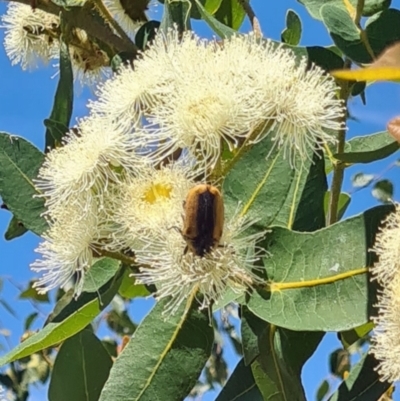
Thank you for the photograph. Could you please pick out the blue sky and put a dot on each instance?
(26, 100)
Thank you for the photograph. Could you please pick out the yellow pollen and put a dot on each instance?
(157, 191)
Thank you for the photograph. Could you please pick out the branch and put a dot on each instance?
(128, 260)
(339, 166)
(250, 13)
(363, 35)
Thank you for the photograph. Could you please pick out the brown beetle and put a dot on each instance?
(204, 219)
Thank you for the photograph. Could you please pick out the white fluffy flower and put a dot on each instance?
(68, 246)
(387, 247)
(385, 343)
(193, 94)
(178, 275)
(90, 159)
(29, 35)
(147, 201)
(386, 337)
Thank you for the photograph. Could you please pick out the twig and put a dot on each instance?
(128, 260)
(339, 166)
(359, 10)
(250, 13)
(363, 35)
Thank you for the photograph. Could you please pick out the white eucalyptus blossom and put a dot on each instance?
(189, 93)
(147, 201)
(178, 275)
(133, 93)
(30, 36)
(385, 343)
(386, 336)
(387, 247)
(92, 157)
(74, 234)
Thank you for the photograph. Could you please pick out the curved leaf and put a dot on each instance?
(15, 229)
(292, 33)
(241, 386)
(58, 122)
(80, 370)
(231, 14)
(275, 357)
(318, 281)
(370, 6)
(259, 182)
(369, 148)
(163, 359)
(176, 12)
(363, 383)
(344, 32)
(303, 209)
(75, 318)
(219, 28)
(210, 6)
(19, 165)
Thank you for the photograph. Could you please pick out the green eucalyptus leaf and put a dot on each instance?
(146, 34)
(323, 390)
(255, 331)
(292, 33)
(19, 165)
(324, 58)
(277, 367)
(369, 148)
(231, 14)
(130, 289)
(358, 88)
(343, 204)
(164, 357)
(344, 32)
(303, 209)
(104, 272)
(324, 272)
(350, 338)
(210, 7)
(80, 370)
(58, 122)
(31, 293)
(370, 6)
(241, 385)
(275, 356)
(383, 30)
(14, 230)
(68, 322)
(362, 384)
(176, 12)
(259, 182)
(218, 27)
(30, 320)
